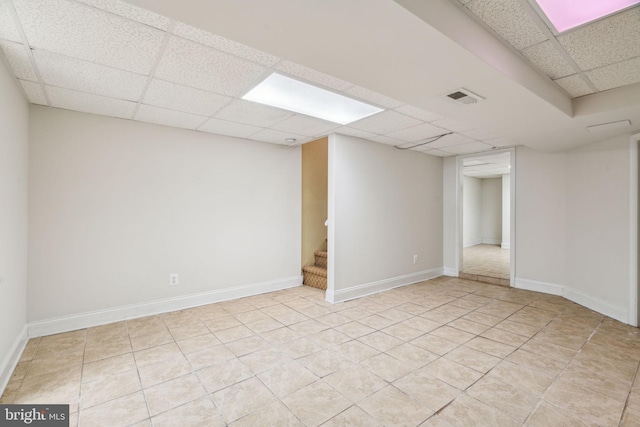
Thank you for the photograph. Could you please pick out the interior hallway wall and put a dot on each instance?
(506, 212)
(472, 211)
(315, 166)
(115, 206)
(491, 213)
(14, 166)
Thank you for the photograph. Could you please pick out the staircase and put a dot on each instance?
(316, 275)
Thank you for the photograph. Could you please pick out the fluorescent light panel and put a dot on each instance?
(293, 95)
(568, 14)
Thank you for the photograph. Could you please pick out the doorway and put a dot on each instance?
(486, 207)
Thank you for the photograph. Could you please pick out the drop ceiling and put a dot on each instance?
(186, 64)
(487, 166)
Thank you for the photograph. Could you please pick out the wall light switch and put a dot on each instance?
(415, 259)
(174, 279)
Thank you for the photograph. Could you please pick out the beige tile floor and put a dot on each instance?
(486, 260)
(447, 352)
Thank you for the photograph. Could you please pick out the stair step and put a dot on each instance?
(321, 258)
(321, 254)
(314, 269)
(314, 280)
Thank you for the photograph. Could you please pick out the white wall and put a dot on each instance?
(598, 234)
(506, 211)
(450, 220)
(14, 156)
(472, 211)
(385, 207)
(115, 206)
(491, 216)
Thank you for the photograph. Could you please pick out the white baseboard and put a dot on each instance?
(13, 356)
(450, 271)
(505, 245)
(101, 317)
(596, 304)
(358, 291)
(487, 241)
(473, 242)
(534, 285)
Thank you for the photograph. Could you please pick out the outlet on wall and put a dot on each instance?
(174, 279)
(415, 259)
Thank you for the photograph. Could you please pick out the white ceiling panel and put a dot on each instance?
(277, 137)
(549, 60)
(500, 142)
(224, 127)
(574, 85)
(479, 134)
(438, 153)
(18, 60)
(195, 65)
(251, 113)
(451, 125)
(312, 76)
(83, 76)
(417, 113)
(163, 116)
(604, 42)
(182, 98)
(383, 139)
(616, 75)
(8, 30)
(127, 10)
(305, 125)
(89, 103)
(473, 147)
(372, 97)
(385, 122)
(346, 130)
(510, 20)
(87, 33)
(417, 133)
(223, 44)
(450, 140)
(34, 92)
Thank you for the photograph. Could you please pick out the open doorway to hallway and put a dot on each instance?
(486, 218)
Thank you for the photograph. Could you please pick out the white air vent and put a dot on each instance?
(464, 96)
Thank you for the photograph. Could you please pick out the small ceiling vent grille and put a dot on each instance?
(464, 96)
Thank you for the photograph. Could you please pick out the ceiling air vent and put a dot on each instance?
(464, 96)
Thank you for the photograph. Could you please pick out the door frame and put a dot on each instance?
(634, 292)
(512, 209)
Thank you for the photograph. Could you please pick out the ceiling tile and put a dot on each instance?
(195, 65)
(127, 10)
(87, 33)
(437, 153)
(277, 137)
(8, 30)
(549, 60)
(417, 113)
(312, 76)
(89, 103)
(473, 147)
(349, 131)
(604, 42)
(574, 85)
(616, 75)
(452, 125)
(450, 141)
(387, 140)
(500, 142)
(304, 125)
(510, 20)
(372, 97)
(18, 59)
(417, 133)
(479, 134)
(385, 122)
(223, 44)
(182, 98)
(34, 92)
(251, 113)
(223, 127)
(83, 76)
(162, 116)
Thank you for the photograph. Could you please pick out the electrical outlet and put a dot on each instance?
(174, 279)
(415, 259)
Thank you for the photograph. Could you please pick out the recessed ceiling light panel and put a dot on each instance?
(567, 14)
(289, 94)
